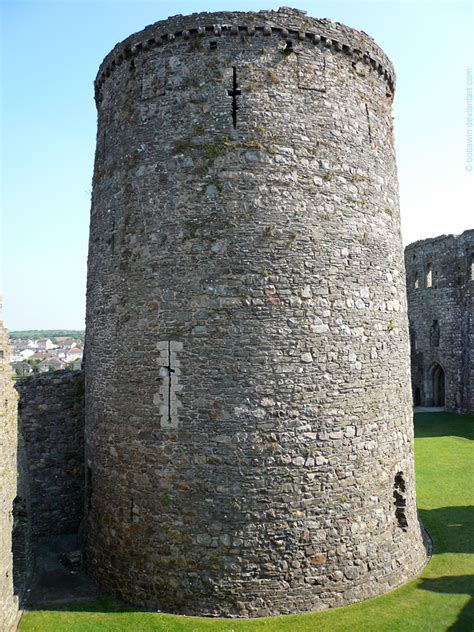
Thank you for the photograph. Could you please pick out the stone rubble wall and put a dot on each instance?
(52, 421)
(284, 23)
(249, 437)
(9, 601)
(450, 301)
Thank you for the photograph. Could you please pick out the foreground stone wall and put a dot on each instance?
(52, 422)
(249, 430)
(8, 485)
(440, 282)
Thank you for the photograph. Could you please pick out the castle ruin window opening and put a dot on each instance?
(400, 501)
(434, 334)
(429, 275)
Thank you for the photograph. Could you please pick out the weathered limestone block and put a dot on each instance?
(249, 440)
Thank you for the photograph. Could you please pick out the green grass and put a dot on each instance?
(439, 599)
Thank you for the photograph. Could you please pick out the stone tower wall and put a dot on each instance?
(41, 472)
(8, 485)
(449, 302)
(249, 436)
(51, 412)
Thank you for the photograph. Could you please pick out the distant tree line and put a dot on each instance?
(34, 334)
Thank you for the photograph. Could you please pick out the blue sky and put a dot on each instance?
(50, 55)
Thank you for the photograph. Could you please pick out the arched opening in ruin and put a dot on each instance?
(435, 385)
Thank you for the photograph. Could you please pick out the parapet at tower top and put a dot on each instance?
(286, 22)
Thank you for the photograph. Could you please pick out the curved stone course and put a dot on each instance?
(356, 45)
(249, 440)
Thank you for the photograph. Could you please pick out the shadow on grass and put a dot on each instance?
(443, 425)
(452, 528)
(101, 604)
(459, 585)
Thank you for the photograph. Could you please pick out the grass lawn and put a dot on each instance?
(440, 599)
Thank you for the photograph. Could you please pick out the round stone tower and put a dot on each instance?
(249, 427)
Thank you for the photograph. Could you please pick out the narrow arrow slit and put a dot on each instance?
(170, 371)
(368, 123)
(234, 93)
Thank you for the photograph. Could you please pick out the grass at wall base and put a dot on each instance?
(440, 599)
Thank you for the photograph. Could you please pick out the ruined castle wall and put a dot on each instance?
(52, 423)
(440, 284)
(8, 485)
(249, 435)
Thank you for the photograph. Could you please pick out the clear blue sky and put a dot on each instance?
(50, 55)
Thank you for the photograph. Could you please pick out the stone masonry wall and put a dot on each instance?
(440, 288)
(8, 485)
(52, 419)
(249, 436)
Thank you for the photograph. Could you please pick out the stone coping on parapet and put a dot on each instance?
(466, 234)
(286, 23)
(58, 375)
